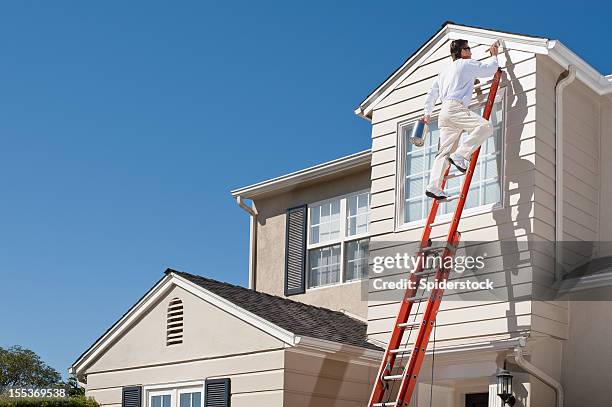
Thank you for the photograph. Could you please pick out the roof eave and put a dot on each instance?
(599, 83)
(293, 179)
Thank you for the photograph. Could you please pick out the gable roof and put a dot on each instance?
(296, 317)
(289, 321)
(450, 30)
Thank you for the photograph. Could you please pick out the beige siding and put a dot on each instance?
(257, 379)
(321, 380)
(605, 191)
(464, 321)
(271, 242)
(529, 190)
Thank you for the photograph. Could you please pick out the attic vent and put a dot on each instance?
(174, 326)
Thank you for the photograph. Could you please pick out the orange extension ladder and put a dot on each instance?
(407, 378)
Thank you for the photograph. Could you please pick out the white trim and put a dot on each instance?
(323, 345)
(558, 52)
(175, 390)
(399, 204)
(287, 181)
(124, 323)
(342, 240)
(601, 84)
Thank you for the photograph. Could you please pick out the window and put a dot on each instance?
(338, 242)
(174, 324)
(161, 400)
(178, 395)
(190, 399)
(414, 166)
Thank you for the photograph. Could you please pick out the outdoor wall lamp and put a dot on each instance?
(504, 387)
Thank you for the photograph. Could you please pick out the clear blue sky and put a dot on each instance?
(123, 126)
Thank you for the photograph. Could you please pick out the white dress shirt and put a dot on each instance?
(457, 81)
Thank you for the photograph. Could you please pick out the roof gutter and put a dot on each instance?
(252, 211)
(559, 88)
(535, 371)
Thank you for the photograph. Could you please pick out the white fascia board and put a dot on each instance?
(123, 324)
(307, 174)
(452, 32)
(162, 288)
(365, 109)
(602, 85)
(513, 41)
(235, 310)
(325, 346)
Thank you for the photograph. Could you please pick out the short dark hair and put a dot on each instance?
(456, 47)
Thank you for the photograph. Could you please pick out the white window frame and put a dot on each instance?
(174, 390)
(343, 240)
(400, 225)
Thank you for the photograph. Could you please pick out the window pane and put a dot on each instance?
(357, 259)
(185, 400)
(358, 217)
(414, 210)
(156, 401)
(414, 187)
(196, 399)
(324, 266)
(485, 187)
(325, 223)
(166, 400)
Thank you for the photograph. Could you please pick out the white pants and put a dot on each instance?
(454, 119)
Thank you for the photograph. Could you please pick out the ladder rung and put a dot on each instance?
(427, 272)
(401, 350)
(387, 404)
(430, 250)
(393, 377)
(419, 298)
(455, 175)
(451, 198)
(410, 325)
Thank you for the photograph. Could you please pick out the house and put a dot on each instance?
(310, 329)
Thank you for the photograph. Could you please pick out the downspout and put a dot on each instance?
(535, 371)
(559, 88)
(252, 211)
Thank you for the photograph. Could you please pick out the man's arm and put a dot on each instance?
(484, 69)
(432, 96)
(479, 69)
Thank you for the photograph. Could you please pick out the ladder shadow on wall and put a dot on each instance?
(511, 228)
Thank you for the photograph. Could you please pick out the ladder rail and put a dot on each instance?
(417, 356)
(410, 373)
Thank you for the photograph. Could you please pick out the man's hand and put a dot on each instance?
(425, 119)
(494, 49)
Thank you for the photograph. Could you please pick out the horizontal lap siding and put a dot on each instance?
(257, 379)
(580, 150)
(519, 217)
(317, 380)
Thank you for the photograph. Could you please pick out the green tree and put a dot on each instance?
(21, 367)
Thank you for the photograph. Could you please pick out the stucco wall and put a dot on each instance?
(215, 344)
(587, 354)
(271, 242)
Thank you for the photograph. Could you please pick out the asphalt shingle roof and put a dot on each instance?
(296, 317)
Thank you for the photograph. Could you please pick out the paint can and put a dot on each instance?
(419, 132)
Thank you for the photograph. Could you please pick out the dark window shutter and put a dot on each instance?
(295, 251)
(217, 393)
(131, 396)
